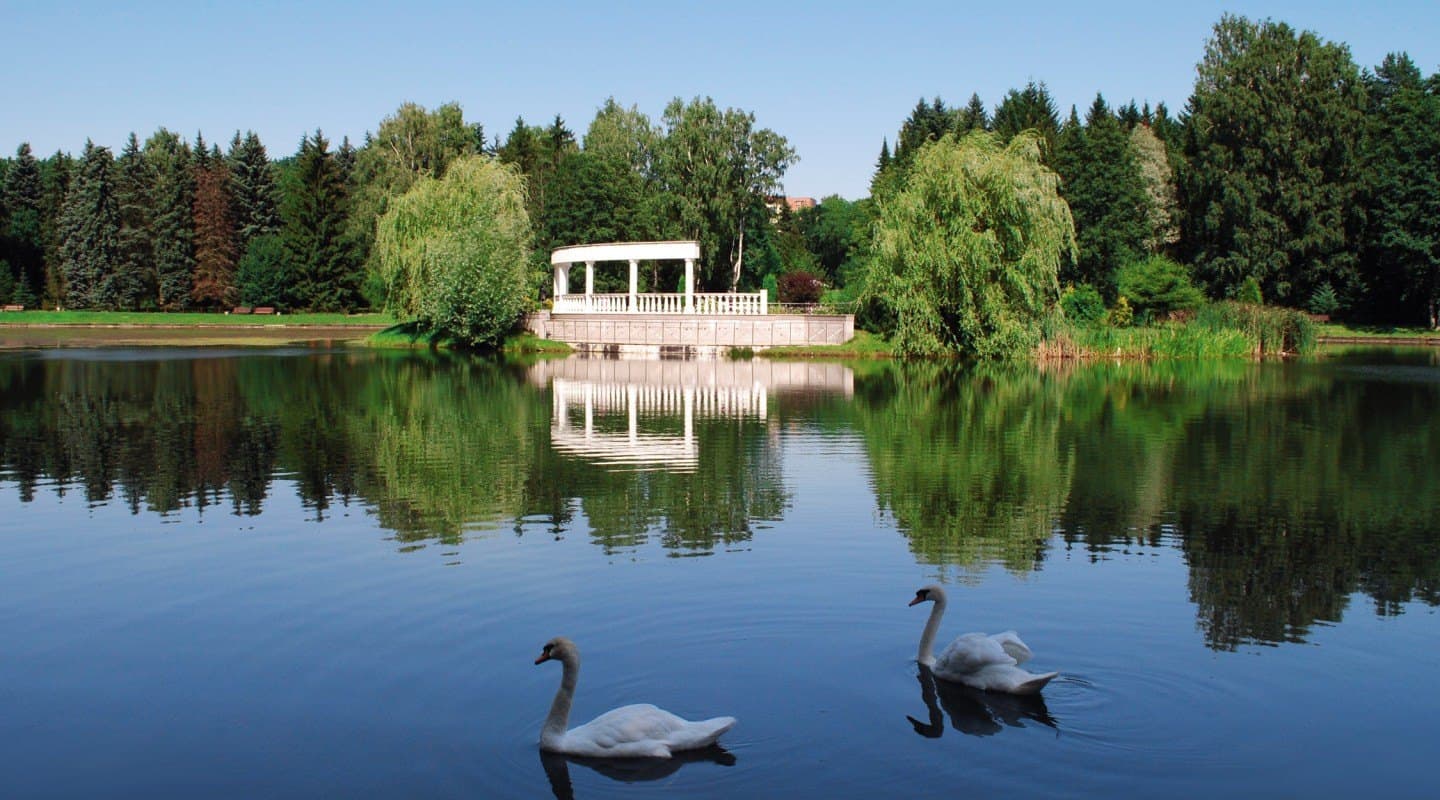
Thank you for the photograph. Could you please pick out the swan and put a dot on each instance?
(976, 660)
(635, 731)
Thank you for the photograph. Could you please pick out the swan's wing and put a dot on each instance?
(971, 653)
(643, 730)
(1009, 641)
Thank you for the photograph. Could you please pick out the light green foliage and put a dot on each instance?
(1159, 180)
(1323, 301)
(1272, 179)
(453, 251)
(1156, 286)
(623, 135)
(1270, 330)
(1082, 304)
(966, 254)
(1249, 292)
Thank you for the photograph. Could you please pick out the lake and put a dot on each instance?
(300, 572)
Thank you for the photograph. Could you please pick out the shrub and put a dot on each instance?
(1121, 316)
(1324, 301)
(1157, 286)
(1249, 292)
(799, 287)
(1271, 331)
(1082, 304)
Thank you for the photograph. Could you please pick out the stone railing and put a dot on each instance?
(719, 303)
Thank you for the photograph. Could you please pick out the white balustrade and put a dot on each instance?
(718, 303)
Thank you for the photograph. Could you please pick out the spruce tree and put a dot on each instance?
(1030, 108)
(90, 232)
(214, 284)
(173, 231)
(321, 262)
(57, 172)
(134, 268)
(22, 233)
(973, 117)
(252, 190)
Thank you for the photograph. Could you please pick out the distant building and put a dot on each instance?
(775, 203)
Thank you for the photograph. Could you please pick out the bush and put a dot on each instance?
(1121, 316)
(1271, 331)
(1249, 292)
(799, 287)
(262, 275)
(1083, 305)
(1324, 301)
(1157, 286)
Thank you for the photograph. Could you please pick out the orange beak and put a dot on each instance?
(914, 601)
(543, 658)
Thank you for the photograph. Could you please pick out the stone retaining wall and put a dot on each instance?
(689, 334)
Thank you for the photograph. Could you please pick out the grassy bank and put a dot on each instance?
(187, 319)
(1340, 330)
(864, 345)
(1219, 330)
(409, 336)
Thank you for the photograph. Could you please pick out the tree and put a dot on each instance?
(253, 203)
(1402, 156)
(55, 175)
(22, 234)
(1159, 181)
(594, 199)
(214, 236)
(323, 267)
(1155, 286)
(967, 254)
(263, 275)
(1272, 174)
(836, 231)
(1106, 193)
(134, 269)
(173, 226)
(454, 252)
(716, 169)
(1028, 109)
(90, 232)
(410, 144)
(623, 134)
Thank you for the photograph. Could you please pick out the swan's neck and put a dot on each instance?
(926, 655)
(559, 718)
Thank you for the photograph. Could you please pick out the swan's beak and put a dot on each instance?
(543, 658)
(913, 601)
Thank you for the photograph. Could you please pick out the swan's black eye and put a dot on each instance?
(549, 647)
(922, 594)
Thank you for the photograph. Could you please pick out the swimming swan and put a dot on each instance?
(977, 660)
(636, 731)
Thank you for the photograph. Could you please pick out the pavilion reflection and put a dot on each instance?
(641, 414)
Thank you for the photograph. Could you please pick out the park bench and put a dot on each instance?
(14, 307)
(263, 310)
(240, 310)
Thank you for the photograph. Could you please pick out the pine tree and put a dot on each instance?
(214, 234)
(22, 232)
(134, 269)
(1030, 108)
(322, 263)
(252, 190)
(90, 232)
(173, 226)
(973, 117)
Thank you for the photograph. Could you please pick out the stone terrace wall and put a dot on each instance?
(694, 334)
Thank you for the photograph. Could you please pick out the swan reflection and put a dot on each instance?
(974, 712)
(626, 770)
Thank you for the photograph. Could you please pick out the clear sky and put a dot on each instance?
(834, 77)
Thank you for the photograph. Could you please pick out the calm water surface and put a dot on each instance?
(292, 573)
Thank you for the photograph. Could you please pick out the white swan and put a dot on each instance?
(977, 660)
(637, 731)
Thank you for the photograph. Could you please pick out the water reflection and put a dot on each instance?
(1289, 489)
(626, 770)
(974, 712)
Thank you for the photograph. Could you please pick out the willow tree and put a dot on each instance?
(452, 251)
(968, 251)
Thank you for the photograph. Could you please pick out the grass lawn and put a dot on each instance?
(864, 345)
(153, 318)
(1375, 331)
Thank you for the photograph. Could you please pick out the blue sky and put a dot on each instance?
(835, 77)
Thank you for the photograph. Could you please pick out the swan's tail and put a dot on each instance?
(1034, 684)
(701, 734)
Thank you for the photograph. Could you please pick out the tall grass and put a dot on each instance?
(1219, 330)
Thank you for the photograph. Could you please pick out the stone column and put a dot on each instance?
(689, 286)
(589, 285)
(634, 286)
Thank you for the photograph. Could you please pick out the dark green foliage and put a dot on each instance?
(173, 229)
(1082, 304)
(263, 272)
(253, 202)
(323, 267)
(1157, 286)
(134, 273)
(799, 287)
(1323, 301)
(1106, 192)
(1031, 108)
(1272, 178)
(90, 232)
(1402, 156)
(594, 200)
(837, 231)
(22, 239)
(56, 174)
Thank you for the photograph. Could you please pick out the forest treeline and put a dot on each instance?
(1292, 175)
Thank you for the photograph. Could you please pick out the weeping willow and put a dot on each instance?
(968, 251)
